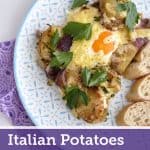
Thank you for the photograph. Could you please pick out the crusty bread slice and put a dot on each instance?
(122, 57)
(140, 90)
(141, 32)
(141, 65)
(137, 114)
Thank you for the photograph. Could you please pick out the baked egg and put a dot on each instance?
(97, 50)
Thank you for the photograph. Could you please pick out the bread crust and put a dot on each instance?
(120, 117)
(136, 114)
(141, 65)
(138, 88)
(122, 57)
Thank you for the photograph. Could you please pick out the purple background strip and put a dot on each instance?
(138, 139)
(10, 104)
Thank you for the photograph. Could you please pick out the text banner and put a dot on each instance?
(75, 139)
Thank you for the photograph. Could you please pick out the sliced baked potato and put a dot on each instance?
(111, 18)
(99, 97)
(97, 108)
(44, 46)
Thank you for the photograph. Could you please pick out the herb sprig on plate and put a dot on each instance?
(132, 14)
(78, 31)
(54, 40)
(91, 79)
(75, 96)
(61, 59)
(78, 3)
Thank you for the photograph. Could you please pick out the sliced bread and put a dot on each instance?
(141, 65)
(142, 33)
(137, 114)
(122, 57)
(140, 90)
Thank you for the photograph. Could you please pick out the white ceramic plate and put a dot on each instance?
(44, 104)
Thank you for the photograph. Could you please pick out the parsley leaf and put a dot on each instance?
(97, 78)
(54, 40)
(132, 14)
(75, 96)
(61, 59)
(122, 7)
(78, 3)
(78, 31)
(93, 79)
(86, 75)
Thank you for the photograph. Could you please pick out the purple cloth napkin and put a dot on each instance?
(9, 100)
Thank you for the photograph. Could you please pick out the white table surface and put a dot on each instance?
(12, 13)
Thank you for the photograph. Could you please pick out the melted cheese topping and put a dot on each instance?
(83, 53)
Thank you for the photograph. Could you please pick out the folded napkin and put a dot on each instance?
(10, 104)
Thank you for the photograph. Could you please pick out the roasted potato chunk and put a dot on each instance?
(96, 110)
(111, 18)
(99, 97)
(43, 44)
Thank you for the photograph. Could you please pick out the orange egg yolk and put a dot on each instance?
(100, 44)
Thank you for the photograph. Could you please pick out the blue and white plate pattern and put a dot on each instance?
(44, 104)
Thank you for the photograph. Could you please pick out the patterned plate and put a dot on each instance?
(44, 104)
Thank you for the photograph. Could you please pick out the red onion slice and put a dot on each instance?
(65, 43)
(61, 78)
(140, 42)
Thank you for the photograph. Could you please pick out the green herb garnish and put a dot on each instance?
(75, 96)
(93, 79)
(97, 78)
(54, 40)
(61, 59)
(86, 76)
(78, 31)
(78, 3)
(132, 14)
(122, 7)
